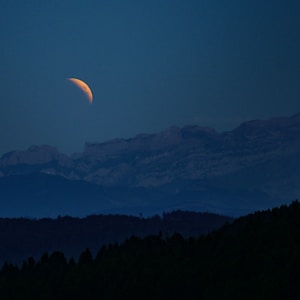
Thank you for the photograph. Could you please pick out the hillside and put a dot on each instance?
(255, 257)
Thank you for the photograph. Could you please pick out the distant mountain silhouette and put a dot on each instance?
(254, 166)
(22, 237)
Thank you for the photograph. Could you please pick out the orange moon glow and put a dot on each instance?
(84, 87)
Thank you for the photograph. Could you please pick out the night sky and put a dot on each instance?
(150, 64)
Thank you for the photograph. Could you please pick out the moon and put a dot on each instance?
(84, 87)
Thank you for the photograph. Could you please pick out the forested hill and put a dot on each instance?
(21, 237)
(255, 257)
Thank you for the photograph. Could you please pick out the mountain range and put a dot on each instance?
(254, 166)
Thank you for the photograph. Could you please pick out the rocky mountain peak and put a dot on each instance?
(33, 155)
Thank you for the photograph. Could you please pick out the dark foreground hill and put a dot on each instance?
(255, 257)
(21, 237)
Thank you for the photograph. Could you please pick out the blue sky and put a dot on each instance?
(150, 65)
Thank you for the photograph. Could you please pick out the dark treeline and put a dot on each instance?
(255, 257)
(21, 237)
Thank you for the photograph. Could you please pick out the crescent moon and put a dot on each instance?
(84, 87)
